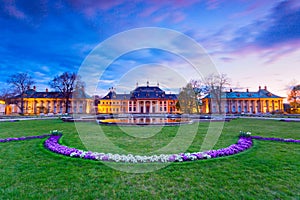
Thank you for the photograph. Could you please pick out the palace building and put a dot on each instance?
(261, 101)
(48, 102)
(2, 107)
(143, 99)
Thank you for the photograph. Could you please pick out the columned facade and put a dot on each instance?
(144, 100)
(37, 103)
(261, 101)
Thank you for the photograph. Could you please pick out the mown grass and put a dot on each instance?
(270, 170)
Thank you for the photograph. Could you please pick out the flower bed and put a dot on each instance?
(52, 143)
(275, 139)
(24, 138)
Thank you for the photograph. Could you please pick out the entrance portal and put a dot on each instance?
(147, 107)
(142, 109)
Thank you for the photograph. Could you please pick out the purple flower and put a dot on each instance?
(244, 142)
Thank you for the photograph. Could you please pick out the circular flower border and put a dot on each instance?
(244, 142)
(53, 145)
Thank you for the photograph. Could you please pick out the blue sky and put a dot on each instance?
(253, 42)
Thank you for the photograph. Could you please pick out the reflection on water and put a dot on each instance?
(146, 121)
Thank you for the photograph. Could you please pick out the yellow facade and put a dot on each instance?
(137, 106)
(38, 103)
(145, 99)
(245, 102)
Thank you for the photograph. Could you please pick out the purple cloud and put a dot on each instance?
(281, 26)
(92, 7)
(23, 10)
(276, 35)
(213, 4)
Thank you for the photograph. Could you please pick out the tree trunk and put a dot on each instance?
(67, 105)
(22, 106)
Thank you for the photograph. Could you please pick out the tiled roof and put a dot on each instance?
(261, 93)
(144, 92)
(34, 94)
(114, 95)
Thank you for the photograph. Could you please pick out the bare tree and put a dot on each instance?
(19, 83)
(294, 96)
(6, 93)
(190, 97)
(186, 99)
(66, 83)
(200, 90)
(216, 84)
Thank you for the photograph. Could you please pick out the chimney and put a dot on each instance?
(265, 87)
(157, 84)
(34, 88)
(46, 89)
(247, 90)
(230, 90)
(259, 87)
(147, 83)
(137, 84)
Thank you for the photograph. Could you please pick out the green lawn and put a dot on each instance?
(269, 170)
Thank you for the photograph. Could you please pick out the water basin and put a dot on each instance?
(144, 121)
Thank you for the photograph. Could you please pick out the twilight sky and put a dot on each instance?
(253, 42)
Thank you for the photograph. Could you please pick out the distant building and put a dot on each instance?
(143, 99)
(2, 107)
(48, 102)
(234, 102)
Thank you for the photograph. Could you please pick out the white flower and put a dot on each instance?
(72, 154)
(207, 156)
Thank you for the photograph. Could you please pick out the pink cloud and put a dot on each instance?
(171, 6)
(160, 17)
(174, 17)
(92, 7)
(12, 10)
(149, 11)
(270, 54)
(213, 4)
(250, 9)
(178, 17)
